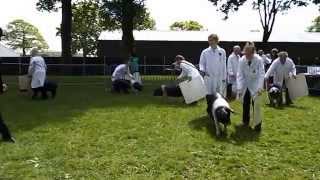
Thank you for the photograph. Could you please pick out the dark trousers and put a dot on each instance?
(121, 86)
(36, 92)
(4, 131)
(287, 96)
(229, 92)
(209, 99)
(246, 108)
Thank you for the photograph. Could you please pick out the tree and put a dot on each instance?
(86, 27)
(90, 19)
(66, 23)
(268, 10)
(127, 14)
(316, 25)
(186, 26)
(24, 36)
(1, 33)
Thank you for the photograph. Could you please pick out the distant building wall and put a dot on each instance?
(155, 51)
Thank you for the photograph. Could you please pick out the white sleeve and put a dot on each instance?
(202, 63)
(240, 76)
(271, 69)
(31, 67)
(224, 58)
(229, 66)
(183, 71)
(293, 68)
(261, 74)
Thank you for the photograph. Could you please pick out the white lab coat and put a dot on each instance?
(233, 66)
(37, 69)
(281, 72)
(121, 73)
(252, 78)
(266, 60)
(188, 70)
(213, 63)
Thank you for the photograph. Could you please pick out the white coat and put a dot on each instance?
(121, 73)
(266, 60)
(37, 69)
(233, 66)
(281, 72)
(213, 63)
(188, 70)
(250, 77)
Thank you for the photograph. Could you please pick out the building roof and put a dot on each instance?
(7, 52)
(224, 36)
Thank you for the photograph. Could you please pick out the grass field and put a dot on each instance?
(87, 133)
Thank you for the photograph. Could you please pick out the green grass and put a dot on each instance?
(87, 133)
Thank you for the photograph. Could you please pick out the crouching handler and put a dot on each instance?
(188, 83)
(250, 85)
(282, 69)
(122, 80)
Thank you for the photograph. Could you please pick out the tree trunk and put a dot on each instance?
(23, 51)
(127, 28)
(66, 31)
(266, 35)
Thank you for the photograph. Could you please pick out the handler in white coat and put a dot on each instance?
(250, 85)
(233, 66)
(282, 69)
(213, 66)
(188, 70)
(37, 71)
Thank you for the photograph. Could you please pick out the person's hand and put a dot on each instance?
(260, 91)
(189, 78)
(239, 93)
(202, 73)
(294, 76)
(232, 77)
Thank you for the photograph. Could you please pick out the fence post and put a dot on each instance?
(104, 65)
(20, 68)
(145, 64)
(83, 66)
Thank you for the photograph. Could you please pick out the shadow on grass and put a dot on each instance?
(240, 136)
(72, 102)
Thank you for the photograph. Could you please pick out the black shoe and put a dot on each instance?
(9, 140)
(289, 103)
(257, 128)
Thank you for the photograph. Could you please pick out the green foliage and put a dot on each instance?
(129, 15)
(48, 5)
(316, 25)
(66, 23)
(87, 133)
(268, 10)
(186, 26)
(23, 35)
(86, 27)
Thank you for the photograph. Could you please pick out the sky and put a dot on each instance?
(165, 12)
